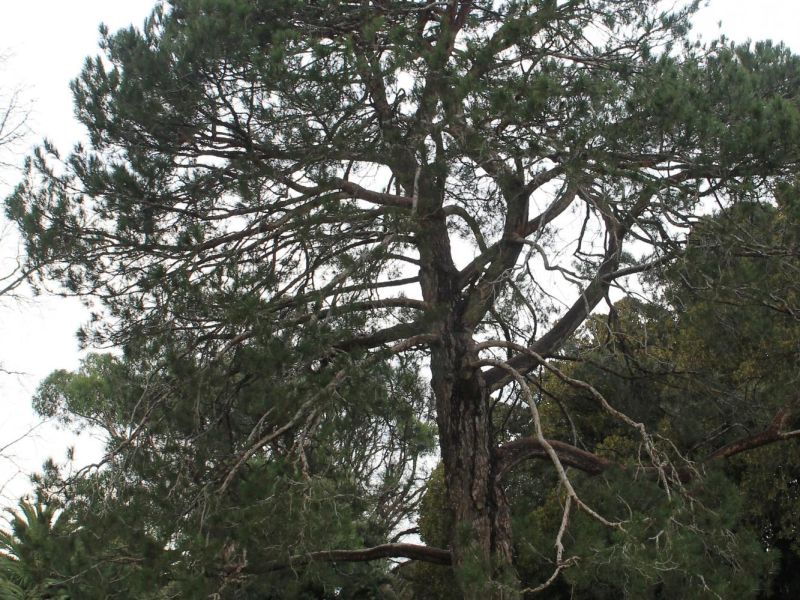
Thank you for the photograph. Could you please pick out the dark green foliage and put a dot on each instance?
(227, 521)
(717, 359)
(298, 221)
(34, 553)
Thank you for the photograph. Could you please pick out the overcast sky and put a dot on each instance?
(46, 42)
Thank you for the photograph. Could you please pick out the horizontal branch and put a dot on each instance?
(773, 433)
(643, 267)
(359, 306)
(437, 556)
(382, 336)
(383, 199)
(512, 453)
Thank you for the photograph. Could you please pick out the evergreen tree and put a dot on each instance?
(712, 368)
(290, 212)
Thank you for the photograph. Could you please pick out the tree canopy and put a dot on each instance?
(550, 244)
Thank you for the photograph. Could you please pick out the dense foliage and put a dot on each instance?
(550, 245)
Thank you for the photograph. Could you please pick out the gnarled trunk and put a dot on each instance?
(481, 536)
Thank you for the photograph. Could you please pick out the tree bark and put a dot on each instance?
(481, 536)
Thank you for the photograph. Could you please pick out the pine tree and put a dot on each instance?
(308, 223)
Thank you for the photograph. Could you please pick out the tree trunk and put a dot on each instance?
(481, 536)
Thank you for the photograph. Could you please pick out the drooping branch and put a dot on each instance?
(276, 432)
(460, 211)
(550, 452)
(14, 279)
(516, 451)
(407, 343)
(558, 206)
(597, 289)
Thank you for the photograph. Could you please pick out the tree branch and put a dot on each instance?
(381, 198)
(383, 336)
(770, 435)
(512, 453)
(429, 554)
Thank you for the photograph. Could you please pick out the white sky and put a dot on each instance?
(47, 41)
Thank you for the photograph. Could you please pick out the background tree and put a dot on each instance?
(716, 360)
(13, 128)
(289, 209)
(31, 553)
